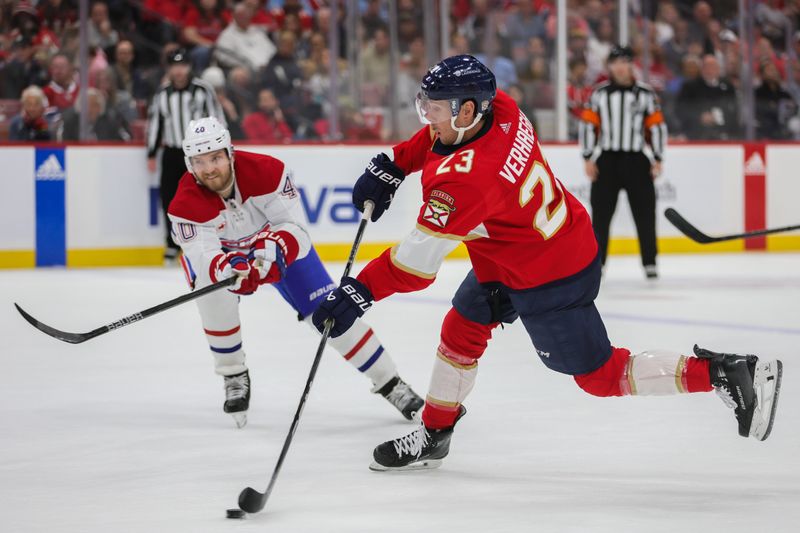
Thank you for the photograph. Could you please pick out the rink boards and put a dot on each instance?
(98, 206)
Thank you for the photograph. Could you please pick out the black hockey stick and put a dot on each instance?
(698, 236)
(77, 338)
(250, 500)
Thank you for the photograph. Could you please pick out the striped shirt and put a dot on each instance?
(623, 119)
(172, 109)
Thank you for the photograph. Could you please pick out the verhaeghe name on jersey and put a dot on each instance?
(520, 151)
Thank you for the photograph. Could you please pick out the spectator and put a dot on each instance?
(372, 18)
(707, 106)
(31, 123)
(240, 89)
(262, 18)
(128, 78)
(597, 49)
(104, 124)
(774, 106)
(666, 19)
(118, 101)
(267, 124)
(57, 15)
(698, 27)
(355, 127)
(162, 20)
(525, 23)
(215, 77)
(62, 90)
(476, 24)
(22, 68)
(678, 47)
(504, 71)
(578, 93)
(284, 77)
(100, 32)
(202, 24)
(375, 67)
(242, 44)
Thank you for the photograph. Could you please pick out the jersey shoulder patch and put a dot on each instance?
(257, 174)
(195, 203)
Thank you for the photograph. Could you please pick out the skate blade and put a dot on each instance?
(767, 383)
(240, 419)
(427, 464)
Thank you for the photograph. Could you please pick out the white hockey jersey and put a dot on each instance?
(205, 225)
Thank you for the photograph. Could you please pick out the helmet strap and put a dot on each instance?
(462, 131)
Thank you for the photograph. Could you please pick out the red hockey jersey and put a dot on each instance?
(496, 194)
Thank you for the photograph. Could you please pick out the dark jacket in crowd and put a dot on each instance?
(697, 97)
(22, 129)
(108, 127)
(774, 107)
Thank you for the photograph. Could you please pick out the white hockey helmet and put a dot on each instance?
(205, 135)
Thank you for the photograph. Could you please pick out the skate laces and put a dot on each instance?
(724, 392)
(413, 443)
(236, 387)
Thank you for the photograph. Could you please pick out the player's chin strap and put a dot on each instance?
(462, 131)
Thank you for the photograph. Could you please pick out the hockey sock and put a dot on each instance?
(650, 373)
(226, 346)
(363, 349)
(455, 368)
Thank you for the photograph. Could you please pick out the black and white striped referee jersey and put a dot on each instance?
(172, 109)
(623, 119)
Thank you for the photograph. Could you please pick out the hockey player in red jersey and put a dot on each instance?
(240, 215)
(487, 184)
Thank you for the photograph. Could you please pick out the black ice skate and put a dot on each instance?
(747, 385)
(422, 449)
(237, 397)
(402, 396)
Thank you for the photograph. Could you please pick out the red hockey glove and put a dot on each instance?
(229, 264)
(268, 256)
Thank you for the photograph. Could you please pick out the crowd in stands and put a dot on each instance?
(269, 63)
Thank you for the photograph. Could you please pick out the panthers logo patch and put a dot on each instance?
(440, 205)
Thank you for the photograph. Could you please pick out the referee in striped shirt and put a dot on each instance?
(180, 100)
(622, 135)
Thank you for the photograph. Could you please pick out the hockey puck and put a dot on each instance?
(235, 513)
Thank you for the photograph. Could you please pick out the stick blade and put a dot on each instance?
(251, 501)
(686, 228)
(72, 338)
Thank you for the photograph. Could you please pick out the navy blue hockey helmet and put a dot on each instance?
(458, 79)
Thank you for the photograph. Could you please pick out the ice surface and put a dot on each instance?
(126, 432)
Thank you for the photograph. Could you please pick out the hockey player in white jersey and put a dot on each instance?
(240, 215)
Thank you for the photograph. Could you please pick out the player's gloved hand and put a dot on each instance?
(231, 264)
(268, 256)
(343, 305)
(378, 183)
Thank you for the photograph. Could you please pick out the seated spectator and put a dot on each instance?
(129, 79)
(57, 15)
(104, 124)
(578, 93)
(100, 32)
(372, 18)
(597, 49)
(707, 106)
(62, 90)
(120, 101)
(284, 77)
(242, 44)
(774, 105)
(267, 124)
(262, 18)
(25, 22)
(354, 126)
(526, 23)
(215, 77)
(293, 8)
(22, 68)
(202, 24)
(31, 124)
(375, 67)
(504, 70)
(240, 89)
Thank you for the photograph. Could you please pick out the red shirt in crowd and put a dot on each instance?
(258, 126)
